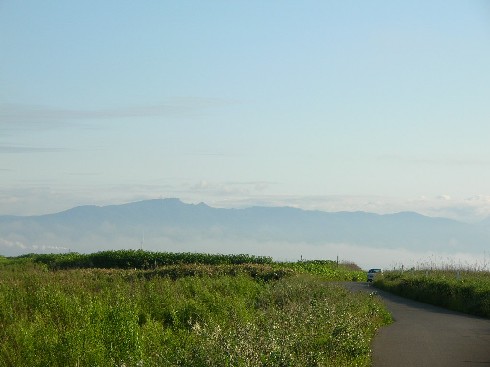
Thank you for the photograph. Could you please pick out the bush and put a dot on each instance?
(467, 292)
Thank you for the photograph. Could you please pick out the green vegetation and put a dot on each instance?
(139, 259)
(328, 269)
(181, 314)
(459, 290)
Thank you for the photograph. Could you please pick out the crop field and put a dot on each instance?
(456, 289)
(206, 313)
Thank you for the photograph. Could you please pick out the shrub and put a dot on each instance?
(239, 315)
(467, 291)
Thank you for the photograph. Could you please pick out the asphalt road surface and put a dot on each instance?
(424, 335)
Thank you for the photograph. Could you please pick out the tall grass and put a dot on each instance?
(98, 317)
(457, 289)
(328, 269)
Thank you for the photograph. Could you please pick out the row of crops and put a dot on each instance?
(139, 259)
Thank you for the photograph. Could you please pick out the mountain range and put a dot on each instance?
(171, 225)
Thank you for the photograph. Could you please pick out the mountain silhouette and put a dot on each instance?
(170, 224)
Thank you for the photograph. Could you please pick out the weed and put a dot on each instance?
(460, 290)
(182, 315)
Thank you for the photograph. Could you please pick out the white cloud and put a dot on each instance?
(9, 245)
(36, 117)
(9, 149)
(363, 256)
(229, 191)
(447, 160)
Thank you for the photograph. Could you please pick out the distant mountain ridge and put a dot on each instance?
(163, 224)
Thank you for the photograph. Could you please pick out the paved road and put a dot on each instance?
(424, 335)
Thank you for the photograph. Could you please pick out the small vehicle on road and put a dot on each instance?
(372, 273)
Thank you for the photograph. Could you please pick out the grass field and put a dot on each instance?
(183, 314)
(461, 290)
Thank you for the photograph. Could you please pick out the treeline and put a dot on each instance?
(139, 259)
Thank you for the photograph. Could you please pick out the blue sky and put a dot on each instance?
(380, 106)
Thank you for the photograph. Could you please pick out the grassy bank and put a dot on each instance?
(181, 315)
(459, 290)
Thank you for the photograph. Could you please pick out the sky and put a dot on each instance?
(379, 106)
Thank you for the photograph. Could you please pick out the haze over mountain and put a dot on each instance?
(284, 233)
